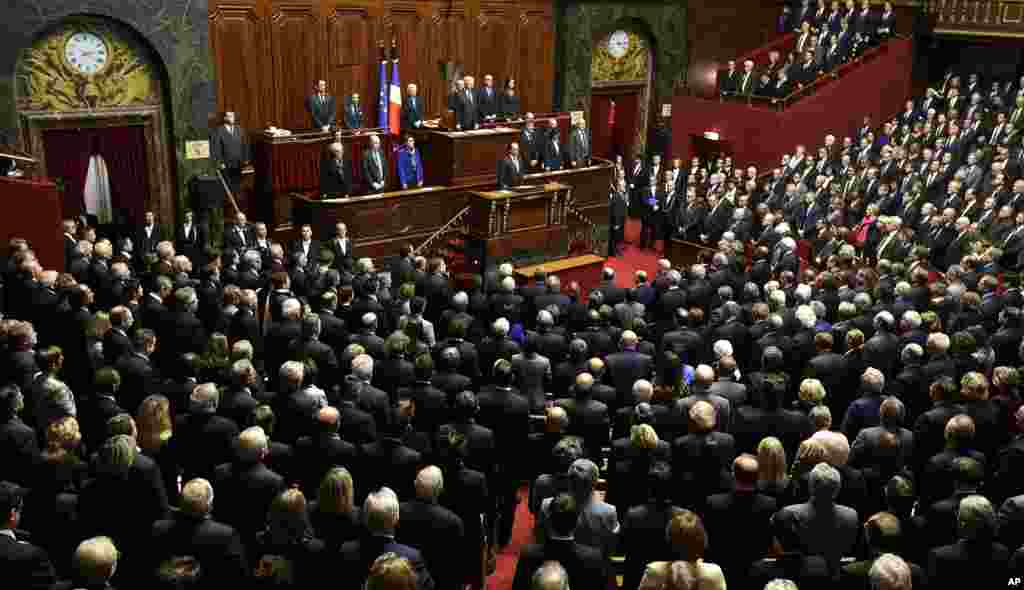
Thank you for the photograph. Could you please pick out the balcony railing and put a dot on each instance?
(994, 18)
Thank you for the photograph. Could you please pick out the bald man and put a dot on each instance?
(316, 454)
(435, 530)
(747, 510)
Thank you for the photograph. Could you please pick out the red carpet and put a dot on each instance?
(522, 534)
(633, 258)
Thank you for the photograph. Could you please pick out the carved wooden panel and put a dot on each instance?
(351, 55)
(497, 46)
(536, 61)
(295, 36)
(239, 54)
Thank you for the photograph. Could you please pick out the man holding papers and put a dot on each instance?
(510, 169)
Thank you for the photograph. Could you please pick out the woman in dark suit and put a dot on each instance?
(335, 179)
(508, 105)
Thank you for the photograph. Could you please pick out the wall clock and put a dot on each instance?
(618, 44)
(86, 53)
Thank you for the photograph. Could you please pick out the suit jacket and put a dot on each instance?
(624, 368)
(983, 564)
(750, 512)
(317, 454)
(584, 564)
(25, 565)
(147, 244)
(353, 114)
(579, 147)
(230, 148)
(203, 441)
(357, 557)
(831, 534)
(335, 177)
(245, 492)
(388, 462)
(508, 174)
(375, 172)
(322, 110)
(487, 102)
(467, 113)
(435, 531)
(410, 168)
(191, 242)
(216, 546)
(552, 152)
(412, 112)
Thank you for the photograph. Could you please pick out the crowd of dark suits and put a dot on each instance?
(916, 403)
(824, 40)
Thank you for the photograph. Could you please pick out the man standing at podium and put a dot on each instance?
(468, 113)
(375, 166)
(321, 107)
(510, 169)
(230, 150)
(335, 180)
(354, 113)
(410, 166)
(579, 145)
(552, 150)
(412, 109)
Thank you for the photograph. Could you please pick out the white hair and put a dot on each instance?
(505, 270)
(501, 327)
(802, 292)
(723, 348)
(806, 316)
(508, 284)
(782, 228)
(777, 298)
(362, 366)
(913, 318)
(788, 243)
(781, 584)
(975, 517)
(460, 298)
(824, 482)
(380, 511)
(884, 319)
(699, 271)
(429, 483)
(890, 572)
(642, 388)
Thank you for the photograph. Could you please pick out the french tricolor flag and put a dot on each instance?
(395, 100)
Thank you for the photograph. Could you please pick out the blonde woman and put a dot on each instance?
(772, 479)
(333, 515)
(688, 541)
(810, 394)
(155, 429)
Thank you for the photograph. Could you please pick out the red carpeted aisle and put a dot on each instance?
(522, 534)
(633, 258)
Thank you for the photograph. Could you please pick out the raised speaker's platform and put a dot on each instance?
(585, 270)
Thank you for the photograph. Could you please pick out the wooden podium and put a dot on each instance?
(39, 213)
(463, 158)
(286, 165)
(525, 218)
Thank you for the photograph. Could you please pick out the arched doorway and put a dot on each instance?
(91, 107)
(621, 71)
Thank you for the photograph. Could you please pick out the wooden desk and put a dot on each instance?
(462, 158)
(380, 223)
(284, 165)
(528, 218)
(683, 254)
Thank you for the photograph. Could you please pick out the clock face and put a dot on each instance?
(86, 53)
(618, 44)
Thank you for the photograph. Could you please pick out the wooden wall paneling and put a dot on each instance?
(445, 41)
(497, 44)
(239, 51)
(297, 56)
(406, 25)
(352, 56)
(536, 60)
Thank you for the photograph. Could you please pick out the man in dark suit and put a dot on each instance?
(375, 166)
(335, 178)
(487, 100)
(435, 531)
(529, 142)
(507, 414)
(190, 237)
(70, 226)
(229, 148)
(148, 236)
(668, 211)
(627, 366)
(741, 509)
(579, 145)
(354, 112)
(510, 168)
(467, 113)
(323, 450)
(412, 109)
(239, 236)
(618, 208)
(322, 108)
(389, 461)
(341, 246)
(247, 486)
(25, 565)
(551, 150)
(584, 564)
(748, 79)
(381, 512)
(191, 531)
